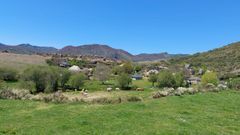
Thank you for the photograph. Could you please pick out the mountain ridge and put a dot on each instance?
(87, 49)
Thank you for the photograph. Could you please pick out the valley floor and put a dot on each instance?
(203, 113)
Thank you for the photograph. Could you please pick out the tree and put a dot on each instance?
(166, 79)
(210, 77)
(128, 68)
(117, 70)
(153, 78)
(77, 80)
(179, 79)
(137, 68)
(102, 72)
(124, 80)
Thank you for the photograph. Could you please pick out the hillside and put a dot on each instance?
(96, 49)
(20, 61)
(223, 60)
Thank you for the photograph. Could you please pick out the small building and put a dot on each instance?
(137, 77)
(64, 64)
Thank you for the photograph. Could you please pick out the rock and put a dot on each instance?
(222, 87)
(109, 89)
(140, 89)
(160, 94)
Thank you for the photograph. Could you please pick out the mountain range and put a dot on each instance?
(91, 49)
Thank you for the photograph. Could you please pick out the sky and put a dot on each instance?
(137, 26)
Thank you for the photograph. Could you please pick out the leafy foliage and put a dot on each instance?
(153, 78)
(179, 78)
(124, 81)
(76, 81)
(166, 79)
(8, 74)
(210, 77)
(234, 83)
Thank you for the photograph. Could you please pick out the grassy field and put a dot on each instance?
(20, 61)
(207, 113)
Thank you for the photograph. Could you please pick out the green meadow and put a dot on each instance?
(203, 113)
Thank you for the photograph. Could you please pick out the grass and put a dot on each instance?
(20, 62)
(208, 113)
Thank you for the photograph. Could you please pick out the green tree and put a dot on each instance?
(166, 79)
(153, 79)
(128, 68)
(209, 77)
(179, 79)
(76, 81)
(124, 81)
(137, 68)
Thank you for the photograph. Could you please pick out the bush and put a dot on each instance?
(234, 83)
(124, 81)
(44, 79)
(64, 77)
(28, 85)
(77, 80)
(37, 75)
(179, 78)
(7, 74)
(209, 77)
(166, 79)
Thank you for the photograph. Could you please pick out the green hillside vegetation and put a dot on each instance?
(222, 60)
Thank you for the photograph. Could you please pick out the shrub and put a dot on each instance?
(166, 79)
(77, 80)
(28, 85)
(210, 77)
(179, 78)
(64, 77)
(234, 83)
(124, 80)
(44, 79)
(8, 74)
(37, 75)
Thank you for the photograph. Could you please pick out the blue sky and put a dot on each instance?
(150, 26)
